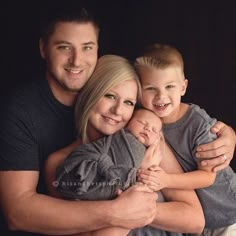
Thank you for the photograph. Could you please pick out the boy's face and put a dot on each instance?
(162, 90)
(145, 126)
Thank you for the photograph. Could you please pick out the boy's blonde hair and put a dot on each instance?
(161, 56)
(110, 71)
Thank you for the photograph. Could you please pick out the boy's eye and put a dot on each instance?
(149, 88)
(170, 86)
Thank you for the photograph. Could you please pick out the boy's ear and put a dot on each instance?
(184, 87)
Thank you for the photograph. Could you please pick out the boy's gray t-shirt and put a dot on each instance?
(219, 200)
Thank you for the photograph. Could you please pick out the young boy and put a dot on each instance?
(185, 126)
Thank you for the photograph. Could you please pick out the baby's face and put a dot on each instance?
(145, 126)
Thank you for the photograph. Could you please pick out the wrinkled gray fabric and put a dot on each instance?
(151, 231)
(111, 161)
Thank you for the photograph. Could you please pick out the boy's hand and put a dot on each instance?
(154, 177)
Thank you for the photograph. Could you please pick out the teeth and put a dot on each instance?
(160, 105)
(73, 71)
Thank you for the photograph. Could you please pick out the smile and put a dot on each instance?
(161, 105)
(73, 71)
(111, 121)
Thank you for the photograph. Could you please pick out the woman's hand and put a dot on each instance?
(218, 153)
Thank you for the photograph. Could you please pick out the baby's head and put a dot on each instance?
(146, 126)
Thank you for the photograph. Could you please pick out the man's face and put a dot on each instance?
(71, 55)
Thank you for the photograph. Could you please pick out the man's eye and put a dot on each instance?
(65, 48)
(87, 48)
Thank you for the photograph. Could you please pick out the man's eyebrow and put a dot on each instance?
(90, 42)
(66, 42)
(62, 42)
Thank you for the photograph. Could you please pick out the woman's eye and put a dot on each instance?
(130, 103)
(111, 96)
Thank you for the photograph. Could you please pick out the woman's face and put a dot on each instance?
(113, 110)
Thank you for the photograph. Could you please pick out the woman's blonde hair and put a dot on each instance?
(110, 71)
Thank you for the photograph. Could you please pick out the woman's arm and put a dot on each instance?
(224, 145)
(53, 161)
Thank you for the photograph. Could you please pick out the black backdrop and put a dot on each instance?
(203, 31)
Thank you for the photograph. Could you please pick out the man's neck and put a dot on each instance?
(65, 97)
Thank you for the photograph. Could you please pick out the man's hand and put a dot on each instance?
(220, 151)
(134, 208)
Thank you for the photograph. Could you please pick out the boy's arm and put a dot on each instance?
(191, 180)
(156, 178)
(182, 212)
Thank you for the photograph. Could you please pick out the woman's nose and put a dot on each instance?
(117, 109)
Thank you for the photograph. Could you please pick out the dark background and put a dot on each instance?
(203, 31)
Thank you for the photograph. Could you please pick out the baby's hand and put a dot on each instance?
(153, 155)
(154, 177)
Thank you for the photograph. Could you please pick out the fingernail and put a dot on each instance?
(203, 163)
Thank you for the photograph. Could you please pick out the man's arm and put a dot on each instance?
(27, 210)
(223, 146)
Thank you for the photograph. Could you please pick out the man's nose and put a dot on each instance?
(76, 58)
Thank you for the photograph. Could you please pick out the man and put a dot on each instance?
(38, 120)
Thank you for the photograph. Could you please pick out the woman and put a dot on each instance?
(104, 106)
